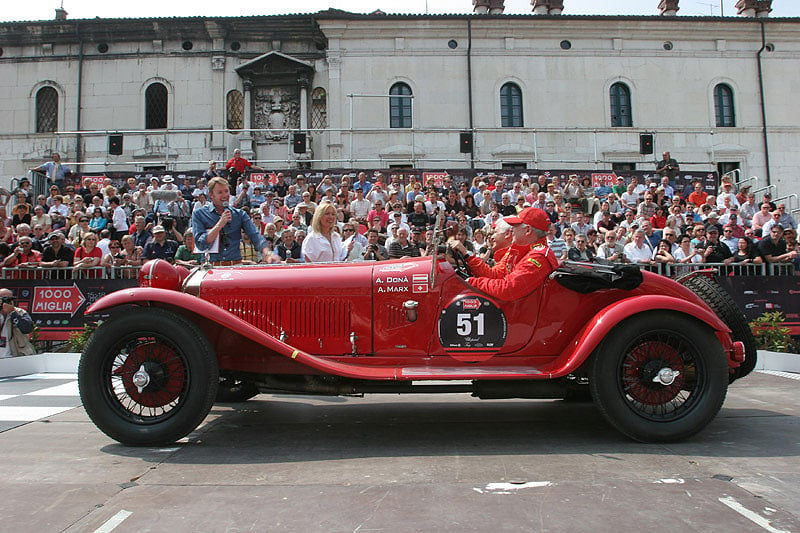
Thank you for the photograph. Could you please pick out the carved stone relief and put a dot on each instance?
(276, 109)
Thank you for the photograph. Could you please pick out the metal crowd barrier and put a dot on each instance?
(734, 269)
(119, 272)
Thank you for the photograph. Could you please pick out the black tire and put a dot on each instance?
(629, 359)
(180, 374)
(725, 307)
(234, 390)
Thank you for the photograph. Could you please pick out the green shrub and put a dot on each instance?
(78, 339)
(770, 333)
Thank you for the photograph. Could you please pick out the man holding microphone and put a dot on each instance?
(218, 227)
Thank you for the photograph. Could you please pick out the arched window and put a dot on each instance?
(46, 110)
(319, 109)
(155, 102)
(620, 106)
(723, 106)
(400, 108)
(510, 106)
(235, 110)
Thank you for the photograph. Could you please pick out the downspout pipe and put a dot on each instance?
(469, 90)
(763, 99)
(78, 153)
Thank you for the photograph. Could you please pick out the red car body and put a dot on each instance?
(370, 326)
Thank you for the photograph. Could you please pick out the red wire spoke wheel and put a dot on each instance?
(659, 376)
(148, 377)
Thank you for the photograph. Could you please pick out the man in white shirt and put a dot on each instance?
(637, 251)
(118, 218)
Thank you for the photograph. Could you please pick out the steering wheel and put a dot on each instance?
(461, 267)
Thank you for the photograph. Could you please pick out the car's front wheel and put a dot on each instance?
(659, 377)
(147, 377)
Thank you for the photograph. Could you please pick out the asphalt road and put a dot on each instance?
(406, 464)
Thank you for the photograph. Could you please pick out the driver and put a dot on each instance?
(529, 229)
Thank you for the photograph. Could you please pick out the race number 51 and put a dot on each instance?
(464, 323)
(472, 323)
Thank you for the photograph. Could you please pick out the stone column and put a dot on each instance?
(246, 141)
(556, 7)
(668, 8)
(303, 83)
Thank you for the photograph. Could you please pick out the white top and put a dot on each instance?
(636, 254)
(318, 249)
(679, 256)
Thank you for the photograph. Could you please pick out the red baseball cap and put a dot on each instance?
(532, 216)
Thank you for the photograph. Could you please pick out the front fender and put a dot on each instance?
(144, 296)
(593, 333)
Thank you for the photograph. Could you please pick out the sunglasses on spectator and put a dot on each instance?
(83, 220)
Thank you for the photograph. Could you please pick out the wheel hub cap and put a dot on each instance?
(666, 376)
(141, 379)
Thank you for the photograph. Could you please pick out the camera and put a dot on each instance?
(167, 222)
(6, 299)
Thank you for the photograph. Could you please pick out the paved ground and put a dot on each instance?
(400, 463)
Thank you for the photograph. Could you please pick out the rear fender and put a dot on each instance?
(196, 306)
(593, 333)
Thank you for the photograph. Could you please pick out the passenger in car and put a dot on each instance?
(530, 230)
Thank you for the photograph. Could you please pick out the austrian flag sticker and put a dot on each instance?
(419, 283)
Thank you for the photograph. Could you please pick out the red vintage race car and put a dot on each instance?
(655, 354)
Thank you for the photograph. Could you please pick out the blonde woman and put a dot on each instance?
(323, 243)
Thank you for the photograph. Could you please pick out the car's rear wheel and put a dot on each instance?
(234, 390)
(725, 307)
(147, 377)
(659, 377)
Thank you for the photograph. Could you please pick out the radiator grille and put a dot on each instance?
(311, 317)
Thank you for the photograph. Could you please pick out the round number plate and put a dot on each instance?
(472, 325)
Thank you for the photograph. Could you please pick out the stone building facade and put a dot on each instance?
(377, 90)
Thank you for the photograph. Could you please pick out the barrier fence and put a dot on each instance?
(38, 273)
(672, 270)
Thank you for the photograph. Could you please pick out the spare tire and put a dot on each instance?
(725, 307)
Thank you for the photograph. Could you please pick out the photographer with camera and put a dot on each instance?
(667, 167)
(161, 247)
(374, 251)
(15, 328)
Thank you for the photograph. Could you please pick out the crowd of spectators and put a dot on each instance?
(79, 229)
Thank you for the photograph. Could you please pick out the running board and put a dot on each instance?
(476, 372)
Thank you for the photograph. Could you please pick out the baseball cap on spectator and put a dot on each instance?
(713, 214)
(302, 204)
(712, 228)
(53, 236)
(154, 178)
(158, 229)
(532, 216)
(397, 214)
(417, 229)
